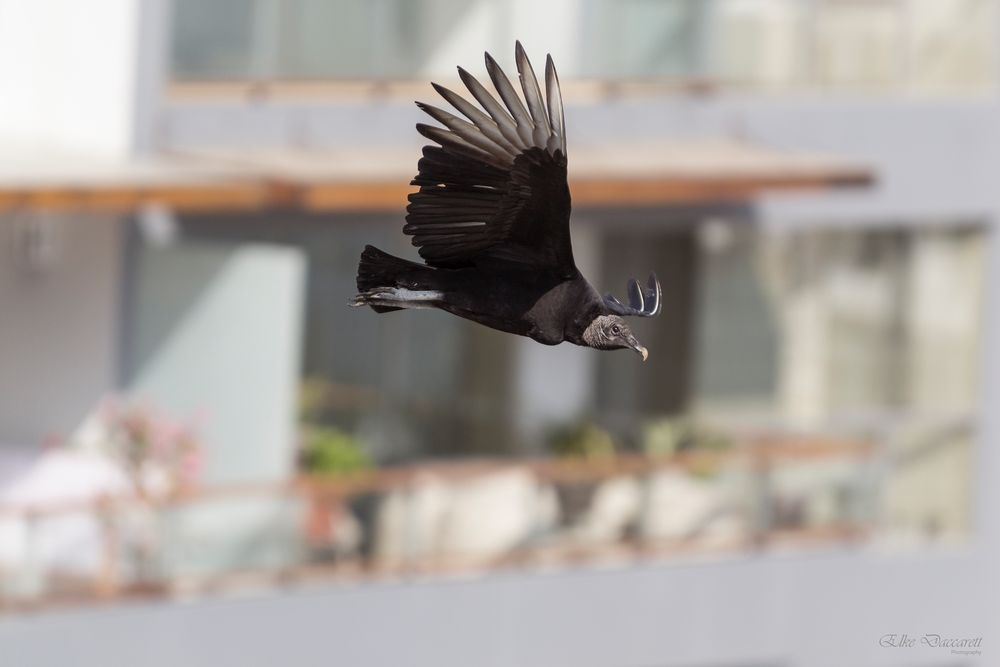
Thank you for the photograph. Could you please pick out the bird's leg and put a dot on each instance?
(396, 297)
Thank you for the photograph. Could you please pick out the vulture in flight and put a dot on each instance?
(491, 221)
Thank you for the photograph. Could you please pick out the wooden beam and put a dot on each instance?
(593, 192)
(643, 176)
(358, 196)
(246, 195)
(599, 192)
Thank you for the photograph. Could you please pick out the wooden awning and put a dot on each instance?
(70, 183)
(352, 180)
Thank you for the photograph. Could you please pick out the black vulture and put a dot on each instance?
(491, 221)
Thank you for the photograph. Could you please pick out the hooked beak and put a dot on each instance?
(634, 344)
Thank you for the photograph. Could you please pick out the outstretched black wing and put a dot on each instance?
(642, 301)
(494, 187)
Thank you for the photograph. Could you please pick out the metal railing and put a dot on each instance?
(434, 518)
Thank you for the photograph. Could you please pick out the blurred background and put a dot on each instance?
(206, 457)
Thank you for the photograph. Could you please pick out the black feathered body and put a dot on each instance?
(491, 220)
(545, 306)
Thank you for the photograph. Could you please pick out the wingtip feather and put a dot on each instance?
(553, 96)
(533, 96)
(505, 122)
(525, 126)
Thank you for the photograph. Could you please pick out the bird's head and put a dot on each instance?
(611, 332)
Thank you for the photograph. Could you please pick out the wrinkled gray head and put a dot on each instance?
(611, 332)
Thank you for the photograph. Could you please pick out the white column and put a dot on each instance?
(68, 75)
(554, 385)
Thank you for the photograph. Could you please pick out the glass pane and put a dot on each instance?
(953, 43)
(328, 39)
(646, 38)
(214, 40)
(760, 42)
(873, 335)
(882, 44)
(860, 44)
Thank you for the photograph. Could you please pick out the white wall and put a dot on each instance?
(216, 336)
(58, 326)
(932, 157)
(68, 75)
(806, 610)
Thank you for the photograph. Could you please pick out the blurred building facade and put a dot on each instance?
(852, 313)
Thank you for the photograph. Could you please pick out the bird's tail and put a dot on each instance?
(388, 283)
(380, 269)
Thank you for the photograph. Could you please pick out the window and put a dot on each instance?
(927, 45)
(325, 39)
(872, 334)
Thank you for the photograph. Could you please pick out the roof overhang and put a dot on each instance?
(363, 180)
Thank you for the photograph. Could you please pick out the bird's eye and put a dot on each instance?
(616, 329)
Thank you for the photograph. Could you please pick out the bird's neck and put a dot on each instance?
(576, 328)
